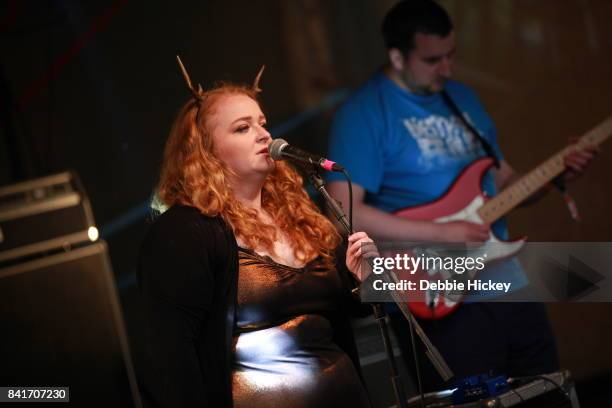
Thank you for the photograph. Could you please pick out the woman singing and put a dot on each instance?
(243, 304)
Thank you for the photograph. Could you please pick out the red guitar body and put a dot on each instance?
(460, 202)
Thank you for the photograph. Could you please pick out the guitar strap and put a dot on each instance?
(572, 207)
(483, 142)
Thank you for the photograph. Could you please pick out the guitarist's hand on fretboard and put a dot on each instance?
(578, 160)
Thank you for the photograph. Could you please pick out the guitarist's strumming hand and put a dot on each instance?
(463, 231)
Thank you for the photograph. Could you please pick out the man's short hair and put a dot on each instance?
(409, 17)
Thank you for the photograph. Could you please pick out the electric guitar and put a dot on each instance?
(465, 200)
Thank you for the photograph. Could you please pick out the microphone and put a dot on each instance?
(281, 150)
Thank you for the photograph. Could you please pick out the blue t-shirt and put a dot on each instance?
(406, 149)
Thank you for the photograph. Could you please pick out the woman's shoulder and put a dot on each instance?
(182, 222)
(183, 234)
(184, 217)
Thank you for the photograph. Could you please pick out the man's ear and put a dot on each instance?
(396, 58)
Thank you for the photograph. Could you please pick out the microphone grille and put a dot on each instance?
(276, 148)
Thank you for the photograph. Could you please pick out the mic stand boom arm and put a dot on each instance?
(432, 352)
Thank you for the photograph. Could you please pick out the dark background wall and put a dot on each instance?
(93, 86)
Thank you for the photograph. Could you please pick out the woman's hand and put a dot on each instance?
(360, 246)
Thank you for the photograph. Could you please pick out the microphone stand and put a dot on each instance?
(380, 315)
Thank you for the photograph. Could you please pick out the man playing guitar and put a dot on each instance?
(404, 145)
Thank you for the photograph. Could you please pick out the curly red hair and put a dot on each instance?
(192, 175)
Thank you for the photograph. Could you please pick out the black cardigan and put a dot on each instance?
(188, 274)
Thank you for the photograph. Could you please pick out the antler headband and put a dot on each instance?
(198, 93)
(255, 86)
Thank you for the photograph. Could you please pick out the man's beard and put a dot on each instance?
(426, 90)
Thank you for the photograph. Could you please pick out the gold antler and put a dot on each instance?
(257, 78)
(197, 93)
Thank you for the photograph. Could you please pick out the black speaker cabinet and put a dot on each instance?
(62, 326)
(38, 216)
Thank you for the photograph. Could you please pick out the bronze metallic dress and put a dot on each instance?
(284, 353)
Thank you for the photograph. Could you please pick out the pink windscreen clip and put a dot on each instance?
(328, 165)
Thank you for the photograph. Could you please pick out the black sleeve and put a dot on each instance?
(176, 282)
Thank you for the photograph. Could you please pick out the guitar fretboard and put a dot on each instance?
(531, 182)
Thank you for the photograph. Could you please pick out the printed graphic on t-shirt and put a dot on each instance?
(441, 140)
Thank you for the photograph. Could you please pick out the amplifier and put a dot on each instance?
(62, 326)
(42, 215)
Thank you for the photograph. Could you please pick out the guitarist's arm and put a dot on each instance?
(576, 163)
(382, 225)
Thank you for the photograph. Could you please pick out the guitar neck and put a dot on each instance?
(537, 178)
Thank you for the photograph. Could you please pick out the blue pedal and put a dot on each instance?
(477, 387)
